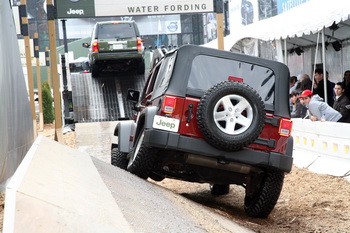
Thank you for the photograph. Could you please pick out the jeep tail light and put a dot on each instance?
(95, 47)
(139, 43)
(168, 105)
(285, 127)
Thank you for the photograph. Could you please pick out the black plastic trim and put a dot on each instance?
(266, 142)
(274, 121)
(174, 141)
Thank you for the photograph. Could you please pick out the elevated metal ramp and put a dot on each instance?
(103, 98)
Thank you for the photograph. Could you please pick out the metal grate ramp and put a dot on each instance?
(103, 99)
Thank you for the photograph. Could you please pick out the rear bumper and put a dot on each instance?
(174, 141)
(134, 55)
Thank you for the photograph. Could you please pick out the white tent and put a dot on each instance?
(300, 22)
(304, 19)
(298, 27)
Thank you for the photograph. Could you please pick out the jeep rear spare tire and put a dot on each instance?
(231, 115)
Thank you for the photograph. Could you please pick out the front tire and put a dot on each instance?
(119, 159)
(264, 195)
(219, 189)
(142, 158)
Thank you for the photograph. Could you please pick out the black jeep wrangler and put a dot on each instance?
(212, 116)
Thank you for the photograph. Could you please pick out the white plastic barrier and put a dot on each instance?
(322, 147)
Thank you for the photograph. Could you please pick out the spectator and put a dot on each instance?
(332, 85)
(319, 87)
(346, 82)
(298, 109)
(305, 114)
(319, 109)
(305, 82)
(293, 82)
(341, 100)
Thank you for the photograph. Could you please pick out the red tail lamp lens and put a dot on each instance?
(169, 103)
(139, 44)
(285, 127)
(95, 47)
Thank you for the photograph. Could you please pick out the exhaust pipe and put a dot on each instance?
(215, 163)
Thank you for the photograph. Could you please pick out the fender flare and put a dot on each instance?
(149, 113)
(125, 130)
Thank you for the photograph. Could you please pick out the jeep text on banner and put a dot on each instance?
(95, 8)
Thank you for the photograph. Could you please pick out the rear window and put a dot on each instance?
(206, 71)
(118, 31)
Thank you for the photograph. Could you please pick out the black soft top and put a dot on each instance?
(196, 67)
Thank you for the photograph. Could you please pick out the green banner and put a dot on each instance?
(75, 8)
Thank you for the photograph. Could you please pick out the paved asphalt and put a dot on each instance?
(145, 205)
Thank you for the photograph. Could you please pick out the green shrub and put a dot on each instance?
(49, 115)
(45, 85)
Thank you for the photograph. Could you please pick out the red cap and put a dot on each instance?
(305, 93)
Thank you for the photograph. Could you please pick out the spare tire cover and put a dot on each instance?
(230, 115)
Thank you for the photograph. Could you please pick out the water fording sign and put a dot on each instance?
(96, 8)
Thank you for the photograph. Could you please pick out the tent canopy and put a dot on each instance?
(299, 24)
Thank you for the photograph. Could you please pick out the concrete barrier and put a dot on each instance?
(322, 147)
(58, 189)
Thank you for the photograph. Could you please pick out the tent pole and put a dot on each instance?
(324, 67)
(285, 52)
(316, 51)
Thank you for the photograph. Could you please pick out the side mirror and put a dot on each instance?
(86, 45)
(133, 96)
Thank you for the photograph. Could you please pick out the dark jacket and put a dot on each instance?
(339, 105)
(320, 91)
(300, 110)
(347, 90)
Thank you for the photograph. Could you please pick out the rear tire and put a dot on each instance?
(141, 67)
(119, 159)
(94, 71)
(142, 158)
(261, 201)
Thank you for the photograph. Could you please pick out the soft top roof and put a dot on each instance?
(187, 53)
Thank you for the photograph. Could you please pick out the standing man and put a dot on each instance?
(319, 109)
(341, 100)
(346, 82)
(319, 87)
